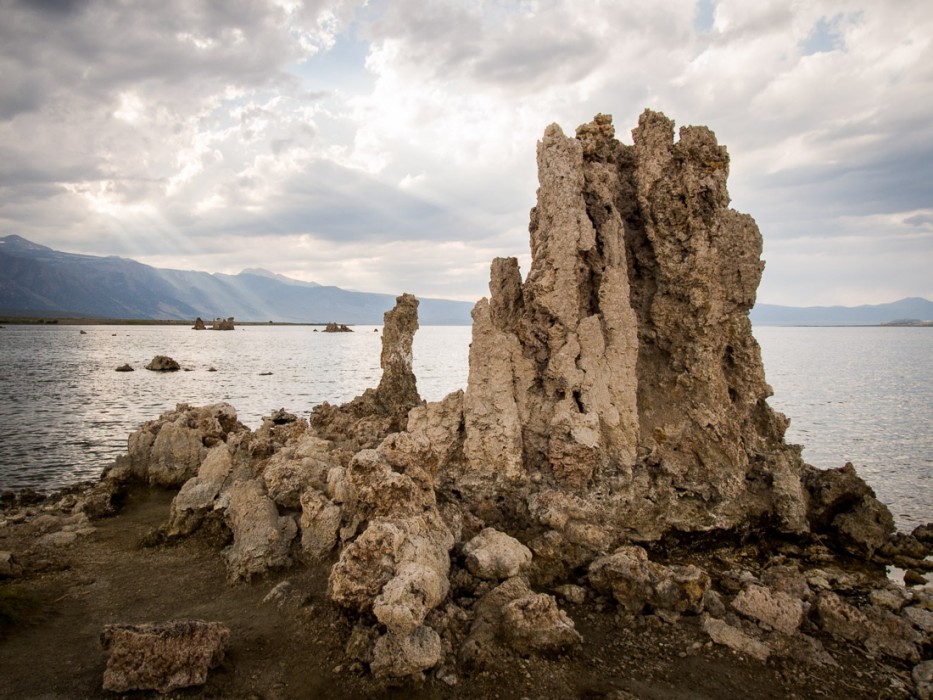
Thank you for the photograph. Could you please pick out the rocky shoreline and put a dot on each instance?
(608, 510)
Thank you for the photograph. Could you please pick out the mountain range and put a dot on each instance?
(38, 281)
(907, 311)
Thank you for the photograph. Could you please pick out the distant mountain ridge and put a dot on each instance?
(38, 281)
(897, 312)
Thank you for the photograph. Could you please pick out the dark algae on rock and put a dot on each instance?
(608, 510)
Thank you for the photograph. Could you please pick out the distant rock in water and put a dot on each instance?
(199, 324)
(223, 324)
(281, 417)
(124, 368)
(163, 363)
(337, 328)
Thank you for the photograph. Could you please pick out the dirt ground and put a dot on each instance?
(295, 650)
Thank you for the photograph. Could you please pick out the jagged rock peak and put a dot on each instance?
(367, 419)
(399, 327)
(625, 361)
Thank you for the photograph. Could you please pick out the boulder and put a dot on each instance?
(533, 624)
(319, 523)
(776, 609)
(406, 655)
(168, 451)
(261, 537)
(409, 596)
(513, 615)
(636, 582)
(379, 554)
(163, 363)
(198, 495)
(162, 657)
(842, 505)
(495, 556)
(723, 633)
(840, 619)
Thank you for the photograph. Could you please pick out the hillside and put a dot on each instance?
(898, 312)
(38, 281)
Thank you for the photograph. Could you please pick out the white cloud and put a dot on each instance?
(392, 142)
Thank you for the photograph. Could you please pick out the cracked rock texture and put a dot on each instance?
(162, 657)
(623, 368)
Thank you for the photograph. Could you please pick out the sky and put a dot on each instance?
(389, 145)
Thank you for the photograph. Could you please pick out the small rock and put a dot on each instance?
(281, 417)
(495, 556)
(712, 603)
(922, 676)
(774, 608)
(723, 633)
(572, 594)
(912, 577)
(57, 539)
(162, 657)
(8, 565)
(279, 594)
(163, 363)
(893, 598)
(398, 656)
(124, 368)
(922, 619)
(840, 619)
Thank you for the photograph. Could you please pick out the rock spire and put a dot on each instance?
(623, 369)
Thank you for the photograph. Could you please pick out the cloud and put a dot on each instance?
(393, 141)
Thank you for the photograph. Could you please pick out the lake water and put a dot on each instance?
(853, 394)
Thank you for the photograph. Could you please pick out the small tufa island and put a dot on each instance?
(337, 328)
(218, 324)
(610, 488)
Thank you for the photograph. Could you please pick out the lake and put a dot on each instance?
(853, 394)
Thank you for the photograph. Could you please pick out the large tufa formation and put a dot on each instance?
(616, 396)
(623, 369)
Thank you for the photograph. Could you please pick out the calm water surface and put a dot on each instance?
(65, 413)
(860, 395)
(853, 394)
